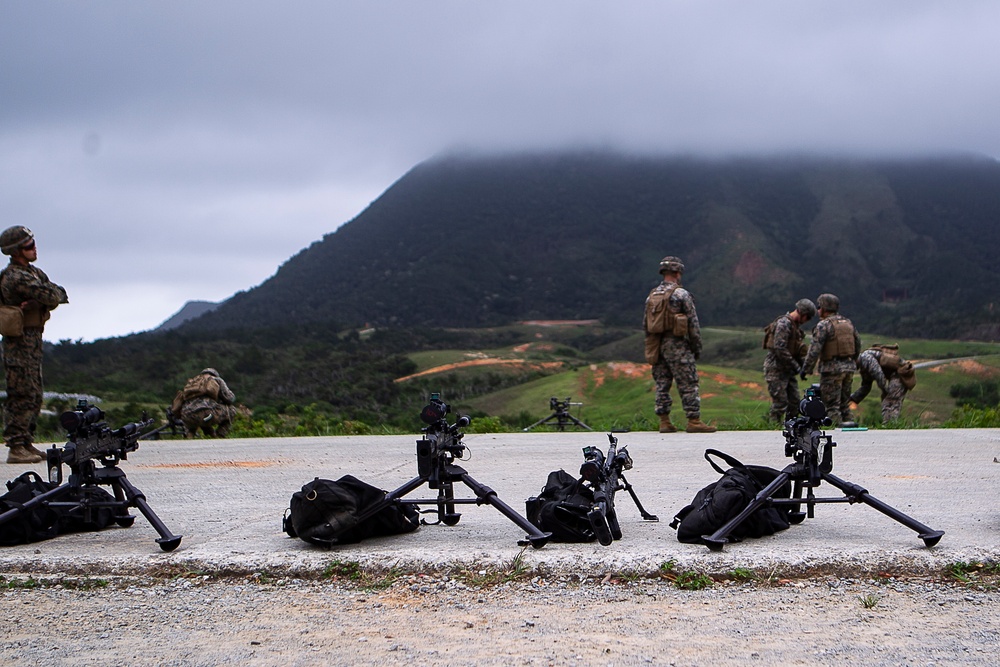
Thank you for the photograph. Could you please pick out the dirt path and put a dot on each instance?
(436, 620)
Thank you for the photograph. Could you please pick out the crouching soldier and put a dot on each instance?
(205, 403)
(881, 365)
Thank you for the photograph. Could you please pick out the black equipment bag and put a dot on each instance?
(38, 523)
(326, 513)
(720, 501)
(43, 522)
(561, 508)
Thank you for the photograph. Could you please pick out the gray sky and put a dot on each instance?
(172, 151)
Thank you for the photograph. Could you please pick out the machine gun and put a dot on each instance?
(437, 451)
(92, 441)
(172, 422)
(561, 415)
(603, 475)
(812, 450)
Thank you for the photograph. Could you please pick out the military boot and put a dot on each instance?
(21, 454)
(666, 426)
(697, 426)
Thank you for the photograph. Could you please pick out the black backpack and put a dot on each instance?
(561, 508)
(43, 522)
(326, 513)
(38, 523)
(720, 501)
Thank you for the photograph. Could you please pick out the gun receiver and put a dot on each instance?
(604, 476)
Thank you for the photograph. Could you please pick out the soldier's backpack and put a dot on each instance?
(720, 501)
(38, 523)
(326, 512)
(561, 508)
(888, 358)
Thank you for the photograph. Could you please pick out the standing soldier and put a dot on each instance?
(783, 340)
(836, 345)
(673, 344)
(882, 365)
(27, 288)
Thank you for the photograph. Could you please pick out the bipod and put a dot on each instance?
(806, 476)
(80, 497)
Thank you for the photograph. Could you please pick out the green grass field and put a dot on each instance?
(619, 394)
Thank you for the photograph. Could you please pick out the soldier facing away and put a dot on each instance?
(836, 346)
(205, 403)
(673, 345)
(783, 340)
(25, 287)
(881, 365)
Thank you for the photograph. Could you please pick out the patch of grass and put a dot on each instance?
(869, 601)
(353, 571)
(28, 583)
(742, 574)
(688, 580)
(514, 570)
(983, 575)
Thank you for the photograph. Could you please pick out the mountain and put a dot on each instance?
(189, 311)
(909, 246)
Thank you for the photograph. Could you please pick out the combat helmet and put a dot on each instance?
(828, 302)
(210, 371)
(13, 238)
(806, 307)
(671, 264)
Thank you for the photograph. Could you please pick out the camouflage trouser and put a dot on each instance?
(22, 363)
(210, 416)
(676, 363)
(892, 400)
(784, 391)
(835, 390)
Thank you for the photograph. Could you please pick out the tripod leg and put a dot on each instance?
(719, 538)
(642, 510)
(542, 421)
(535, 537)
(579, 423)
(856, 493)
(167, 541)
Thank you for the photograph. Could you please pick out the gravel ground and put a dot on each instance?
(444, 620)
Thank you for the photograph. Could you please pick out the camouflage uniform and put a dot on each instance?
(213, 416)
(891, 385)
(22, 355)
(836, 373)
(677, 356)
(781, 365)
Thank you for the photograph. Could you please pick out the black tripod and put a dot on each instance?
(436, 453)
(803, 441)
(560, 413)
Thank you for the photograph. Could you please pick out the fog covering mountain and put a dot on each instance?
(910, 246)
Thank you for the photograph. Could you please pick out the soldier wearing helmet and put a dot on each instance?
(836, 346)
(28, 289)
(881, 365)
(205, 403)
(673, 345)
(783, 340)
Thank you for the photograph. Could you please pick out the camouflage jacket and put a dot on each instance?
(680, 302)
(871, 369)
(822, 332)
(27, 284)
(784, 356)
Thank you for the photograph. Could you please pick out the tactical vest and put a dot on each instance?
(196, 387)
(659, 318)
(794, 344)
(888, 357)
(841, 343)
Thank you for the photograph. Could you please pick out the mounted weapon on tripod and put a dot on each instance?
(437, 452)
(561, 415)
(603, 475)
(92, 441)
(812, 450)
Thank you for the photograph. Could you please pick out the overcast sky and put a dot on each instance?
(172, 151)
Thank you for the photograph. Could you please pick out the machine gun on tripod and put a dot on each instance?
(603, 475)
(437, 452)
(92, 441)
(561, 415)
(812, 450)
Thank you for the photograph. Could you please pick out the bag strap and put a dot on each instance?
(733, 462)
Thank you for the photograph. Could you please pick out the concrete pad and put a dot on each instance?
(227, 498)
